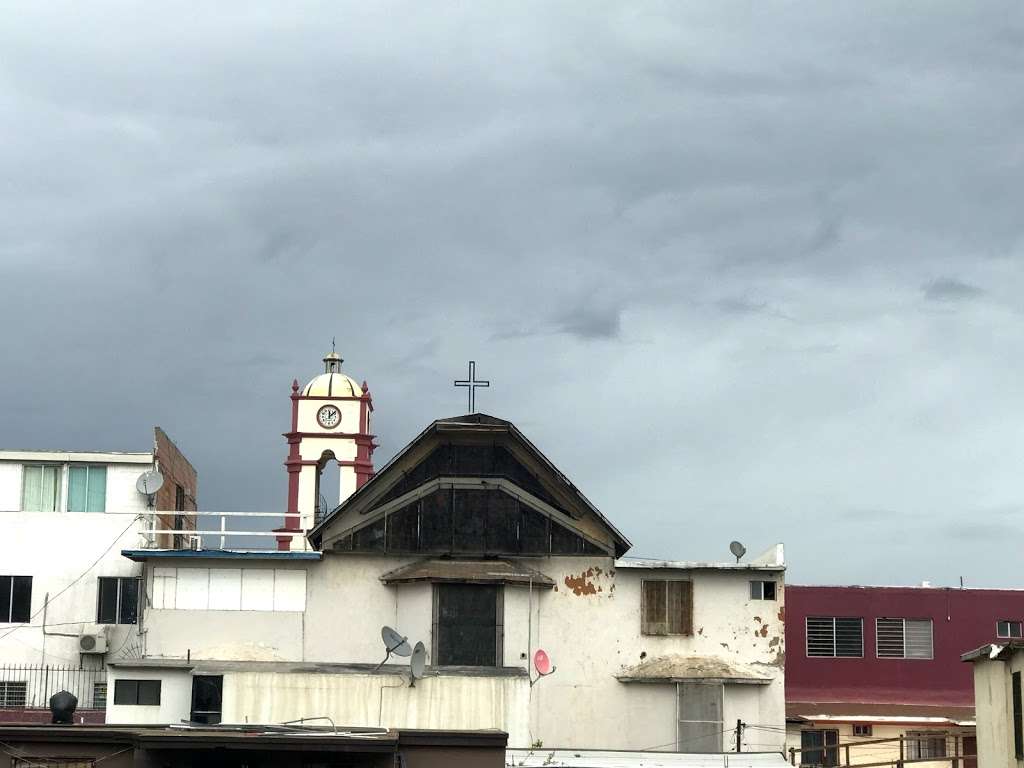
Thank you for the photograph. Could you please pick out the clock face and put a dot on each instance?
(328, 417)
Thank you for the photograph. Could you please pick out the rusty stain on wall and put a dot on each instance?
(582, 584)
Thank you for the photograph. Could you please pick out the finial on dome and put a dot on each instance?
(332, 361)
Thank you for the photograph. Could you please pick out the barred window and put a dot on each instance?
(99, 695)
(835, 636)
(13, 693)
(922, 745)
(903, 638)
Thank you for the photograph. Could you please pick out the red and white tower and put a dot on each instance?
(330, 422)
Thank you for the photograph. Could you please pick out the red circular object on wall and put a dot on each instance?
(541, 662)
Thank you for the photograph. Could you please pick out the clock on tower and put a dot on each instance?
(330, 422)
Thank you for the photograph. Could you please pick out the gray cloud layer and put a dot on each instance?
(743, 271)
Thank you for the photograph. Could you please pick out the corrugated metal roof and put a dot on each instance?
(577, 758)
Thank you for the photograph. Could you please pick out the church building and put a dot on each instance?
(473, 547)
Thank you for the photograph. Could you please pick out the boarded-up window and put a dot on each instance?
(834, 636)
(700, 717)
(667, 607)
(467, 625)
(903, 638)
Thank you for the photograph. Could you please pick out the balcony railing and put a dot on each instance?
(217, 530)
(30, 687)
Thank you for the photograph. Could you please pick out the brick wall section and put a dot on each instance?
(177, 470)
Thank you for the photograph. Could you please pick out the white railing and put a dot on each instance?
(195, 529)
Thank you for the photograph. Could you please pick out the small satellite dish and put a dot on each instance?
(737, 549)
(542, 663)
(418, 663)
(393, 643)
(148, 484)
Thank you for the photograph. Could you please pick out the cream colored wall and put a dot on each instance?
(175, 696)
(881, 753)
(384, 700)
(235, 635)
(993, 705)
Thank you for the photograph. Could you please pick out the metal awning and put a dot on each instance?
(469, 571)
(675, 668)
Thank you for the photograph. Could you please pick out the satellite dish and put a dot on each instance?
(393, 643)
(542, 662)
(149, 483)
(737, 549)
(418, 663)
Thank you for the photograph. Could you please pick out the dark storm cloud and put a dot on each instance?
(723, 262)
(951, 289)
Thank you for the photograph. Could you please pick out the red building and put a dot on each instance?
(871, 663)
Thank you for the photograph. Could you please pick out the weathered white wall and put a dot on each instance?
(380, 700)
(175, 696)
(55, 548)
(589, 624)
(993, 704)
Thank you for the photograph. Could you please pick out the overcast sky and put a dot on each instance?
(742, 270)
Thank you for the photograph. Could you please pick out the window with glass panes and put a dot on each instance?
(40, 487)
(118, 600)
(1008, 628)
(87, 489)
(15, 599)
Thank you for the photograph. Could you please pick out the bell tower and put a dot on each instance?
(330, 422)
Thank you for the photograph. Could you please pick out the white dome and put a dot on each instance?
(333, 385)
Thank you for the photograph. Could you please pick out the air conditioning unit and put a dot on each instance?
(92, 642)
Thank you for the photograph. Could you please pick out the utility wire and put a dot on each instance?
(77, 578)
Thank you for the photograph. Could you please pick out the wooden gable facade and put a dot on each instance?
(472, 486)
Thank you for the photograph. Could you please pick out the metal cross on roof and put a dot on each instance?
(471, 384)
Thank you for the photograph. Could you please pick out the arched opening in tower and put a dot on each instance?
(328, 484)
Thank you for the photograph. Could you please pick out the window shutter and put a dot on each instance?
(918, 638)
(654, 620)
(889, 638)
(680, 608)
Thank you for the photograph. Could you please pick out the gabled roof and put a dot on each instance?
(476, 424)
